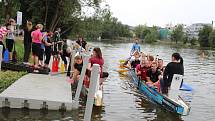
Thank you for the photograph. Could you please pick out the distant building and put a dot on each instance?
(193, 30)
(164, 34)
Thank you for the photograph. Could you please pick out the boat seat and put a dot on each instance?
(176, 81)
(175, 86)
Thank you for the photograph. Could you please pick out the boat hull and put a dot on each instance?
(174, 106)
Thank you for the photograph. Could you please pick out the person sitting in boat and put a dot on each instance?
(160, 65)
(135, 46)
(174, 67)
(96, 59)
(142, 68)
(151, 60)
(153, 76)
(78, 64)
(134, 62)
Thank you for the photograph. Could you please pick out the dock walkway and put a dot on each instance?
(36, 91)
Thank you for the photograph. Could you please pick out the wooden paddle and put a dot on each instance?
(123, 70)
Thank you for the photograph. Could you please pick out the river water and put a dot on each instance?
(124, 103)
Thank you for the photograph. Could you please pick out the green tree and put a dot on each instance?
(193, 41)
(185, 39)
(8, 9)
(204, 36)
(141, 31)
(212, 39)
(177, 34)
(152, 35)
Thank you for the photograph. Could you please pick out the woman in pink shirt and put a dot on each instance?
(36, 44)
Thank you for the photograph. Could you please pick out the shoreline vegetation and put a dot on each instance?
(158, 42)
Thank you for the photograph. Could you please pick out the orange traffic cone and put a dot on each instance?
(55, 65)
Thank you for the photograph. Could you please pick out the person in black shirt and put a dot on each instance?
(174, 67)
(153, 74)
(81, 42)
(27, 41)
(77, 68)
(160, 65)
(48, 49)
(134, 61)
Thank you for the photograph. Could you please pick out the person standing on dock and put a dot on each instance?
(3, 32)
(82, 43)
(36, 44)
(27, 42)
(10, 36)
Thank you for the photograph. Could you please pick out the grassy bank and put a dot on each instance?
(9, 77)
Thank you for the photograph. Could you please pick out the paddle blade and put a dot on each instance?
(122, 61)
(123, 70)
(186, 87)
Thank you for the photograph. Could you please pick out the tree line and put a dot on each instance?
(206, 36)
(69, 15)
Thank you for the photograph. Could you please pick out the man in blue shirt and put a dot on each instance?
(135, 47)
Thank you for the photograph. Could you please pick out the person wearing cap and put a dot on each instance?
(10, 36)
(27, 41)
(37, 38)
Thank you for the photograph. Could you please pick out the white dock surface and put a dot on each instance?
(37, 90)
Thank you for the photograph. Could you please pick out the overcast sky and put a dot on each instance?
(162, 12)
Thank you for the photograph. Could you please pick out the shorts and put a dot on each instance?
(36, 49)
(9, 44)
(41, 54)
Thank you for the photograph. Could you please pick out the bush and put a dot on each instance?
(150, 38)
(193, 41)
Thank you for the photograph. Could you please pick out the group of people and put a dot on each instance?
(151, 70)
(96, 58)
(44, 44)
(8, 31)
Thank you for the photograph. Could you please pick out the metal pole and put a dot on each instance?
(91, 93)
(1, 50)
(72, 59)
(80, 82)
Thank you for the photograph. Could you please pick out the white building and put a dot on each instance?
(193, 30)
